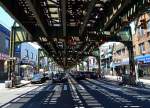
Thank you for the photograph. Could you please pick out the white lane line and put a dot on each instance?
(72, 86)
(15, 100)
(56, 88)
(5, 106)
(81, 87)
(65, 87)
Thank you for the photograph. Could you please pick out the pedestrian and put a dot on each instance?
(13, 79)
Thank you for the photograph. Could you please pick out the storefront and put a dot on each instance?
(144, 63)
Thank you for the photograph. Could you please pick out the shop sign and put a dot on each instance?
(147, 59)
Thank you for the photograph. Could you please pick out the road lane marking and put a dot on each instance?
(6, 105)
(57, 88)
(15, 100)
(81, 87)
(65, 87)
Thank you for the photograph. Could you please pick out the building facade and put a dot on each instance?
(141, 46)
(106, 58)
(28, 60)
(4, 51)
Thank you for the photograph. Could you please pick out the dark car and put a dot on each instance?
(59, 78)
(46, 76)
(37, 78)
(79, 76)
(93, 75)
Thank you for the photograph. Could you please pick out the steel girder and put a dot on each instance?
(65, 28)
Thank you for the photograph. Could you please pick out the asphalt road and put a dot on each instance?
(83, 94)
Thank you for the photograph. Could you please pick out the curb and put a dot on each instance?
(20, 85)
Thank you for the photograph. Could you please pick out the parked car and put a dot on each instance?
(37, 78)
(47, 75)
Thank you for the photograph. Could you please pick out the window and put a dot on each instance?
(31, 55)
(142, 48)
(148, 26)
(123, 51)
(134, 51)
(141, 32)
(119, 52)
(6, 43)
(149, 46)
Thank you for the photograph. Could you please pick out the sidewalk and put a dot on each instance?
(13, 94)
(23, 82)
(114, 78)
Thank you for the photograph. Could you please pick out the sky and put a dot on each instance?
(5, 19)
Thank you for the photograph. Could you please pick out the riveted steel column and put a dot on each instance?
(129, 45)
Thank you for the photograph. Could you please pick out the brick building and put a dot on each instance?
(141, 46)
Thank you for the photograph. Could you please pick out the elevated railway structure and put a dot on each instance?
(69, 30)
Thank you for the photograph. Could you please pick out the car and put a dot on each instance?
(79, 76)
(47, 76)
(93, 75)
(59, 78)
(37, 78)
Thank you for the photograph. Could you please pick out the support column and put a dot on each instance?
(88, 68)
(99, 66)
(132, 63)
(11, 61)
(129, 45)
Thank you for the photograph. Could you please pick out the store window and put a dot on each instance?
(141, 47)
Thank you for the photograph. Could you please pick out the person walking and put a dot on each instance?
(13, 79)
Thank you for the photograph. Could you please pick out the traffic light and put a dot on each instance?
(143, 24)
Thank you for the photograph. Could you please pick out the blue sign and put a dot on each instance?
(18, 48)
(144, 58)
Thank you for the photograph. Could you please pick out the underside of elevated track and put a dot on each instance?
(69, 30)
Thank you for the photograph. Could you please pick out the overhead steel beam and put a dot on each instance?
(35, 7)
(36, 11)
(63, 19)
(114, 15)
(87, 16)
(63, 13)
(10, 6)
